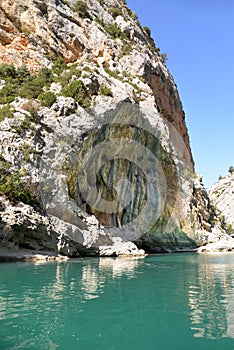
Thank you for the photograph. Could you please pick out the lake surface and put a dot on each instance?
(174, 301)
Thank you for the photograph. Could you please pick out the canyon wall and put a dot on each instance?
(93, 129)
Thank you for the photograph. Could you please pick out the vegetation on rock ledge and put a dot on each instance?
(12, 185)
(19, 82)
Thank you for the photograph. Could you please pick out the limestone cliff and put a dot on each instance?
(221, 201)
(222, 196)
(94, 148)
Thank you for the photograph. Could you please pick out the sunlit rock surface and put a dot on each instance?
(113, 166)
(222, 195)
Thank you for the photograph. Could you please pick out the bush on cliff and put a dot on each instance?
(7, 71)
(81, 8)
(47, 99)
(231, 169)
(12, 185)
(78, 91)
(5, 112)
(19, 82)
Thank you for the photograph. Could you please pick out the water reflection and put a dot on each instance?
(90, 282)
(49, 293)
(211, 297)
(42, 306)
(85, 278)
(121, 265)
(94, 277)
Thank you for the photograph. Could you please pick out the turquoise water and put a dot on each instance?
(176, 301)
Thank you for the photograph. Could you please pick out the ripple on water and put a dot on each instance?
(168, 301)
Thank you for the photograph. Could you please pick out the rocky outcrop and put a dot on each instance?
(97, 136)
(222, 196)
(23, 229)
(218, 243)
(221, 207)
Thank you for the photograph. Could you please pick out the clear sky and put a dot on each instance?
(198, 37)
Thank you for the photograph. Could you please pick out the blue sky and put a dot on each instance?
(198, 37)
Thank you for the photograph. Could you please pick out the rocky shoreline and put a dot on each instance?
(25, 255)
(218, 247)
(7, 255)
(223, 245)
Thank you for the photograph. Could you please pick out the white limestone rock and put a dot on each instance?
(222, 195)
(119, 247)
(224, 244)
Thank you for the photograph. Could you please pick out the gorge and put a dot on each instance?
(95, 156)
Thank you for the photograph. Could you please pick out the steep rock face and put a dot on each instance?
(30, 30)
(103, 144)
(169, 104)
(222, 195)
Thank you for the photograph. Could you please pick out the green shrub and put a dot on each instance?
(5, 112)
(46, 75)
(7, 70)
(113, 73)
(81, 8)
(33, 114)
(87, 69)
(19, 82)
(100, 21)
(163, 57)
(13, 79)
(132, 14)
(8, 93)
(105, 90)
(2, 159)
(148, 31)
(33, 85)
(229, 229)
(32, 88)
(115, 12)
(22, 73)
(77, 72)
(14, 74)
(59, 65)
(65, 78)
(136, 87)
(27, 123)
(13, 187)
(231, 169)
(78, 91)
(47, 99)
(125, 50)
(27, 150)
(25, 29)
(115, 32)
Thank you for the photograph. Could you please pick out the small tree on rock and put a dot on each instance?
(231, 169)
